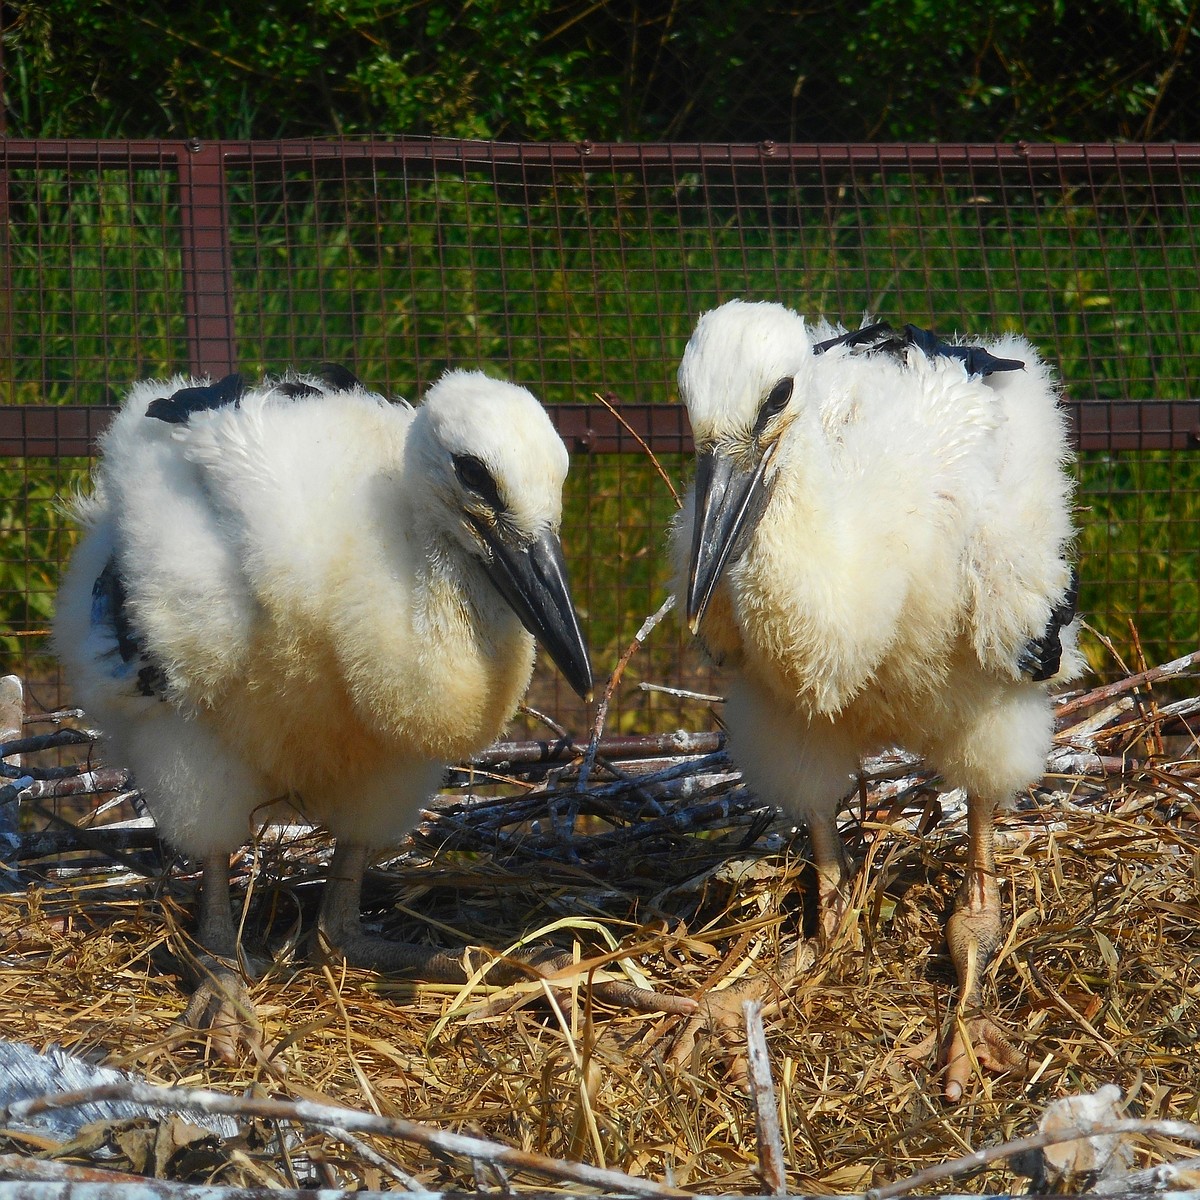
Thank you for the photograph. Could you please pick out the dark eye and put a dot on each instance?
(475, 477)
(775, 403)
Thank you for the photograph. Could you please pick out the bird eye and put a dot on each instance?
(475, 477)
(775, 402)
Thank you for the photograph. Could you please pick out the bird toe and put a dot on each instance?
(222, 1013)
(718, 1024)
(551, 964)
(720, 1019)
(977, 1044)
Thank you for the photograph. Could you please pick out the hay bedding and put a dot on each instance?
(660, 852)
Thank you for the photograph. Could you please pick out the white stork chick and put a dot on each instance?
(301, 590)
(876, 545)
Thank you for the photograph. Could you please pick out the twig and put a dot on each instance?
(10, 791)
(57, 717)
(1171, 670)
(506, 756)
(1183, 1130)
(644, 445)
(610, 688)
(336, 1120)
(771, 1168)
(87, 783)
(681, 693)
(24, 1167)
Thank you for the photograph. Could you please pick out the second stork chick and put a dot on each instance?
(303, 591)
(876, 545)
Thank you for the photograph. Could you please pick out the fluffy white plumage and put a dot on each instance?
(303, 591)
(877, 545)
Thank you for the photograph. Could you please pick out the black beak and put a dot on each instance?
(533, 579)
(729, 502)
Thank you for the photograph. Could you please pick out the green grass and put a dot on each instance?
(575, 285)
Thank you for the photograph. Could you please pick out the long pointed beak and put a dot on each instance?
(533, 579)
(729, 502)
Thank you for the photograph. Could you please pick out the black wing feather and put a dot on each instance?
(339, 378)
(177, 408)
(882, 338)
(1041, 657)
(109, 608)
(296, 389)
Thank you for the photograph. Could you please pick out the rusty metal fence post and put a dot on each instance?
(206, 263)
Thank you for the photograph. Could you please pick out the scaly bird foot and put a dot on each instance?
(974, 1043)
(434, 965)
(222, 1010)
(973, 935)
(720, 1019)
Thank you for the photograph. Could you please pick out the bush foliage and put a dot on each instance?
(803, 70)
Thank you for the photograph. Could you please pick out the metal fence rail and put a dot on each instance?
(579, 270)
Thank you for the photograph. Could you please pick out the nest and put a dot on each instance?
(646, 855)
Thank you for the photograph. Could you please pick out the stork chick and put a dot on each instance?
(876, 546)
(303, 591)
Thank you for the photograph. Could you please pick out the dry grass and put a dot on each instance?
(1099, 977)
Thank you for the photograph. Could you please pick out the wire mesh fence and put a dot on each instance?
(579, 271)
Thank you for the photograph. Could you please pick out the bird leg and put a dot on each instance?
(973, 934)
(220, 1006)
(829, 859)
(339, 935)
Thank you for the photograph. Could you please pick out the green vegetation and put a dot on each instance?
(589, 283)
(954, 70)
(576, 283)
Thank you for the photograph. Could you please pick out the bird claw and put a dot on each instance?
(720, 1020)
(721, 1017)
(222, 1010)
(556, 967)
(970, 1045)
(549, 964)
(974, 1044)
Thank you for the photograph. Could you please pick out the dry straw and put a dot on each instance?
(658, 866)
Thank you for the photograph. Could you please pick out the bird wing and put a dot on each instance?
(1020, 582)
(115, 638)
(173, 593)
(288, 472)
(230, 507)
(951, 464)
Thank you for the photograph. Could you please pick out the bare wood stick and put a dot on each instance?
(1172, 670)
(12, 710)
(334, 1119)
(47, 843)
(516, 758)
(57, 717)
(22, 1167)
(771, 1168)
(1184, 1131)
(682, 693)
(610, 688)
(45, 741)
(87, 783)
(641, 441)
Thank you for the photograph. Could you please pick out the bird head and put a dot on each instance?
(742, 377)
(495, 468)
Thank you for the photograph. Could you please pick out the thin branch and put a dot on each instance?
(610, 688)
(1172, 670)
(1184, 1131)
(771, 1167)
(644, 445)
(336, 1120)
